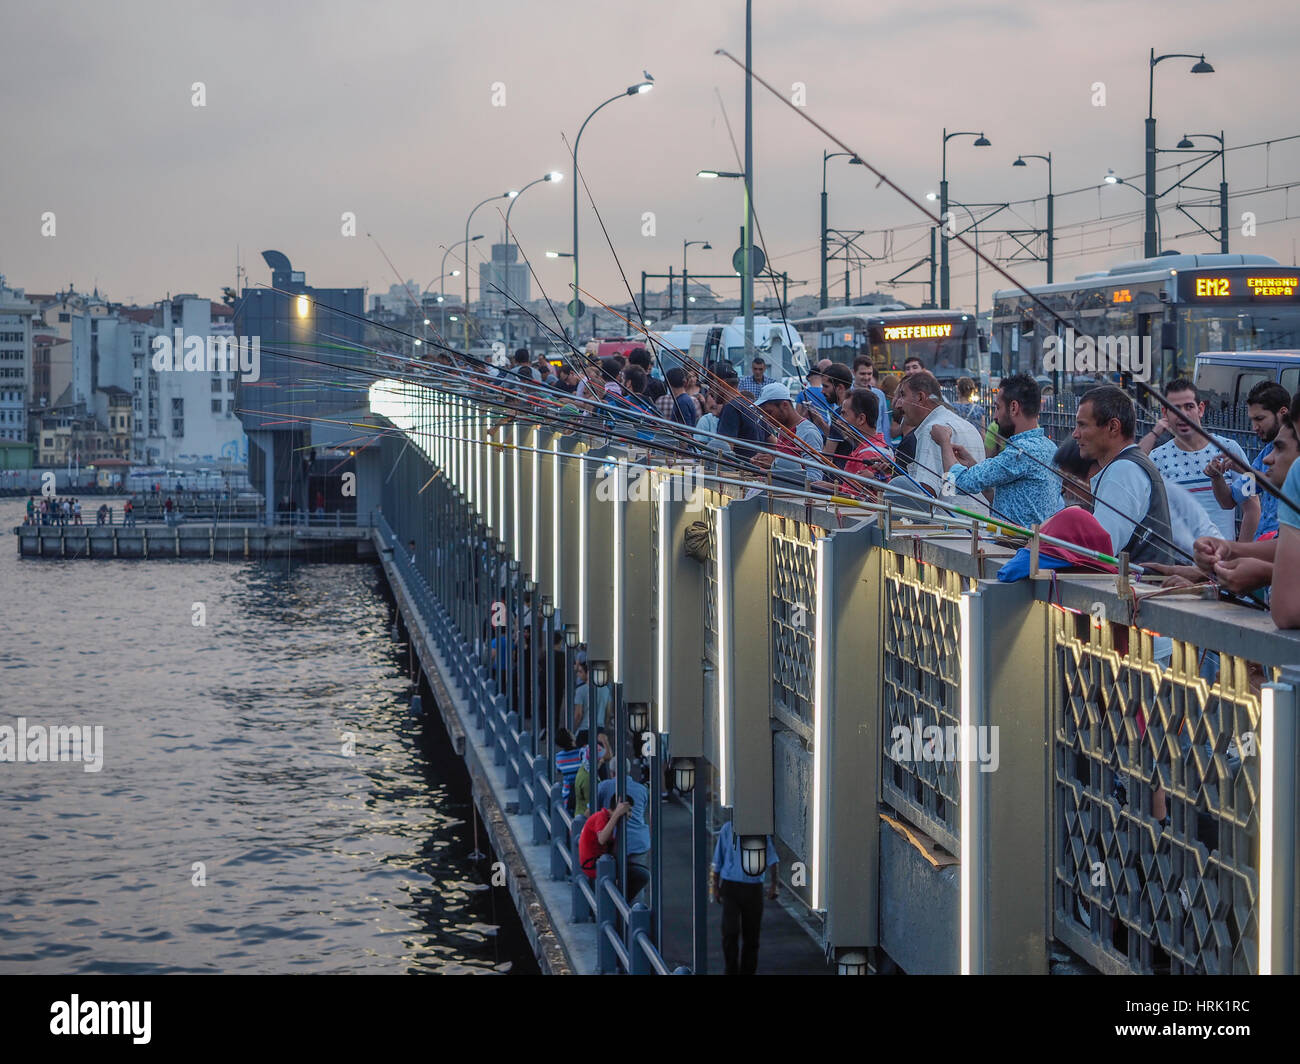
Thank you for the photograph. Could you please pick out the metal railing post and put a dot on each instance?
(638, 922)
(524, 761)
(580, 912)
(541, 789)
(606, 915)
(558, 838)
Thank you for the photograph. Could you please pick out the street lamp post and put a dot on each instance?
(1020, 161)
(555, 176)
(747, 277)
(826, 157)
(686, 244)
(631, 90)
(442, 273)
(1186, 145)
(1150, 242)
(981, 141)
(503, 195)
(975, 227)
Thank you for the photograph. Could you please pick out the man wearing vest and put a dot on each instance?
(1130, 501)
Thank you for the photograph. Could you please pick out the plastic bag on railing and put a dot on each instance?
(697, 541)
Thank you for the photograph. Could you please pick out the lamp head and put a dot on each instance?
(555, 176)
(571, 636)
(600, 673)
(1202, 67)
(1020, 161)
(932, 196)
(709, 174)
(684, 774)
(753, 854)
(1113, 178)
(982, 141)
(1186, 142)
(638, 716)
(530, 586)
(548, 607)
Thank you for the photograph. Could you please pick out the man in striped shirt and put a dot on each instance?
(567, 761)
(1183, 459)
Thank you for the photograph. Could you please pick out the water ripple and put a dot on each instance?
(229, 829)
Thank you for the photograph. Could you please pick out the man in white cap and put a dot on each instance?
(775, 405)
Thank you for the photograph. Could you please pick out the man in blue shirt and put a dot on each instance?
(738, 419)
(741, 896)
(1026, 489)
(582, 697)
(636, 829)
(1267, 404)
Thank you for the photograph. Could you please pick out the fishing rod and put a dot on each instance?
(883, 179)
(820, 465)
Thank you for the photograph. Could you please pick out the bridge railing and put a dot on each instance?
(1129, 788)
(625, 933)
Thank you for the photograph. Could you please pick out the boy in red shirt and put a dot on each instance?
(597, 838)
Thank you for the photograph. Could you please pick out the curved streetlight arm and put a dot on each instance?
(515, 199)
(631, 91)
(1151, 79)
(500, 195)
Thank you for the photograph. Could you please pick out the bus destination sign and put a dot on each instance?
(1268, 284)
(918, 332)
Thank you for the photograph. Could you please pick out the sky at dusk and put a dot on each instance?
(387, 110)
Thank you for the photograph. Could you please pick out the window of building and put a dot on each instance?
(64, 317)
(178, 426)
(178, 408)
(216, 406)
(230, 406)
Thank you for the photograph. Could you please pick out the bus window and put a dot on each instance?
(1246, 380)
(1290, 380)
(1217, 385)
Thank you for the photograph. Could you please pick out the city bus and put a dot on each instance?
(946, 341)
(1147, 319)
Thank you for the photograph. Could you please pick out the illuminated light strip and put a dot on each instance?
(555, 520)
(501, 491)
(517, 546)
(1267, 825)
(724, 659)
(533, 569)
(971, 936)
(486, 449)
(620, 483)
(582, 548)
(820, 713)
(661, 637)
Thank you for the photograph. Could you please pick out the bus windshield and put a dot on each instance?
(945, 343)
(1240, 329)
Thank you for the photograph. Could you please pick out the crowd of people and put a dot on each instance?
(1184, 505)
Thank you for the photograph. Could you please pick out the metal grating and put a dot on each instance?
(1132, 894)
(794, 602)
(922, 668)
(711, 589)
